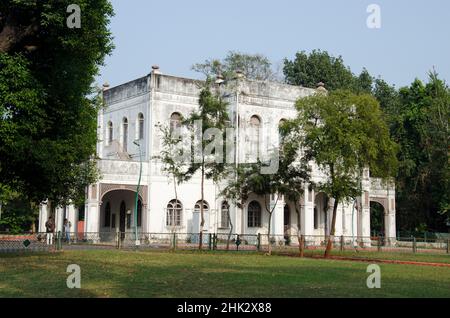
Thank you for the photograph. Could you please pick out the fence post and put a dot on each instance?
(448, 246)
(258, 242)
(414, 245)
(174, 241)
(380, 239)
(117, 239)
(342, 243)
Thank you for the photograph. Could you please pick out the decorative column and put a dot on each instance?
(277, 226)
(365, 213)
(59, 219)
(92, 213)
(389, 220)
(72, 216)
(43, 217)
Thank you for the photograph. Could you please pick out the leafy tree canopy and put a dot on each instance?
(47, 115)
(319, 66)
(253, 66)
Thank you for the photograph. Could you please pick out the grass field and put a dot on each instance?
(112, 273)
(375, 255)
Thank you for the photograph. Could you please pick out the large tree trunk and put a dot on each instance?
(270, 211)
(332, 230)
(299, 234)
(231, 229)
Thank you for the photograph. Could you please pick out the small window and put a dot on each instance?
(141, 126)
(125, 134)
(173, 213)
(107, 215)
(255, 138)
(254, 214)
(225, 215)
(110, 132)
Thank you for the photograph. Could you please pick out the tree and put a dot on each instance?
(210, 122)
(344, 133)
(253, 66)
(419, 124)
(319, 66)
(17, 213)
(171, 156)
(293, 172)
(48, 117)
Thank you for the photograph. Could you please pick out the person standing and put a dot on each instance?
(67, 226)
(50, 229)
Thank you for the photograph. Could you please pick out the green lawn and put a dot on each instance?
(112, 273)
(375, 255)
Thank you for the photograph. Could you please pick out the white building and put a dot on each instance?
(135, 110)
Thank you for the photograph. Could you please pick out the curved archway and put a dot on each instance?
(117, 208)
(377, 212)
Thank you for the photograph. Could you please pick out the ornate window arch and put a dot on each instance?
(254, 214)
(198, 205)
(174, 213)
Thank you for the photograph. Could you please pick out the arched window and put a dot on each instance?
(173, 215)
(224, 216)
(175, 121)
(110, 132)
(107, 215)
(255, 126)
(254, 214)
(141, 126)
(198, 205)
(125, 134)
(139, 213)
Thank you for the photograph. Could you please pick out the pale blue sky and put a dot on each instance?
(174, 34)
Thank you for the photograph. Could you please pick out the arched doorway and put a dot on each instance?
(377, 212)
(117, 212)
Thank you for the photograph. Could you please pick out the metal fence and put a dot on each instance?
(37, 242)
(216, 241)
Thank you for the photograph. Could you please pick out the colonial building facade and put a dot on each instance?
(129, 138)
